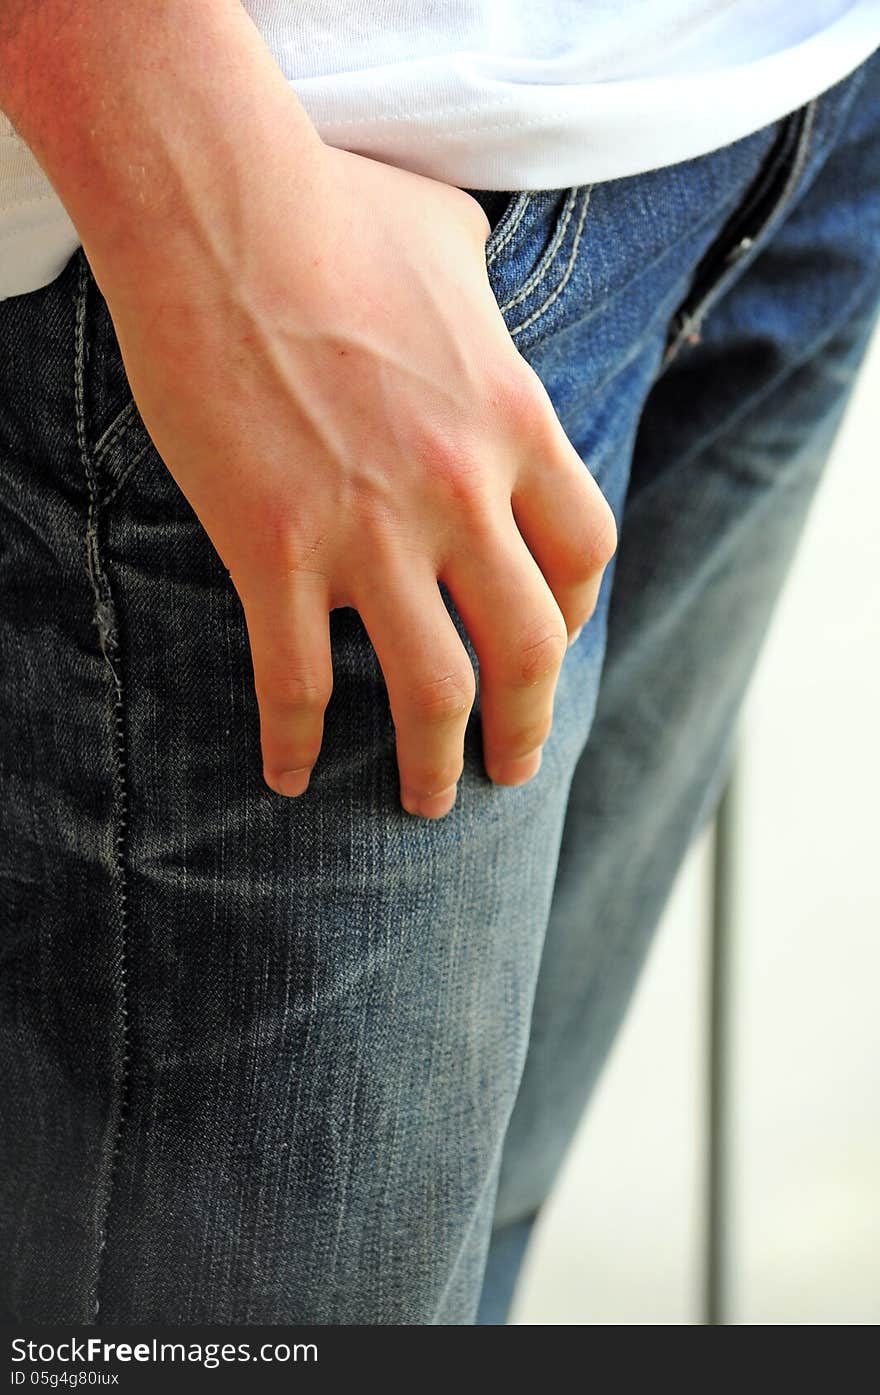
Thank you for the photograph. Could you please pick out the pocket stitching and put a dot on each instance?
(135, 460)
(569, 267)
(544, 265)
(113, 443)
(116, 427)
(515, 212)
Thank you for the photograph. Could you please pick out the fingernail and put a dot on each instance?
(575, 636)
(429, 806)
(292, 782)
(519, 771)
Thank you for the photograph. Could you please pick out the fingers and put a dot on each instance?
(429, 676)
(524, 586)
(568, 526)
(519, 633)
(289, 631)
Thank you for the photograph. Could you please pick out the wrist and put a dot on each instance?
(152, 121)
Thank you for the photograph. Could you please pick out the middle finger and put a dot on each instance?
(520, 635)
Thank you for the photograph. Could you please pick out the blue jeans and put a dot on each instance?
(316, 1060)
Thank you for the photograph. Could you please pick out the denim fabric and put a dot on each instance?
(315, 1060)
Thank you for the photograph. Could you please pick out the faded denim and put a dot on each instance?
(318, 1061)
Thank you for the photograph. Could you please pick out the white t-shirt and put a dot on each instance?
(509, 94)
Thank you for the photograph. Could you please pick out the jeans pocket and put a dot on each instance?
(531, 253)
(764, 203)
(116, 438)
(497, 204)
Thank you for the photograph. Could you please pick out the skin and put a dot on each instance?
(314, 347)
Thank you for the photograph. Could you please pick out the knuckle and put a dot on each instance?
(524, 397)
(434, 779)
(444, 698)
(540, 655)
(587, 611)
(439, 449)
(295, 688)
(474, 211)
(284, 543)
(294, 758)
(588, 548)
(457, 466)
(603, 543)
(526, 738)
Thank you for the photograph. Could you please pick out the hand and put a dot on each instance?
(345, 411)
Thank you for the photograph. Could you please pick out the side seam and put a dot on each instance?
(106, 621)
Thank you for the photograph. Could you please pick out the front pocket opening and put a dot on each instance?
(507, 224)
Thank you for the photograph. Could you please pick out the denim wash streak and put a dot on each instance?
(316, 1060)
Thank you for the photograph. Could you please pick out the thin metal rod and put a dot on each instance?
(725, 846)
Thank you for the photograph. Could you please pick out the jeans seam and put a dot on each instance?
(135, 460)
(115, 435)
(601, 307)
(543, 268)
(106, 622)
(524, 198)
(118, 425)
(569, 267)
(731, 272)
(780, 207)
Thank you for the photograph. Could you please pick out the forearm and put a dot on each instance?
(147, 116)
